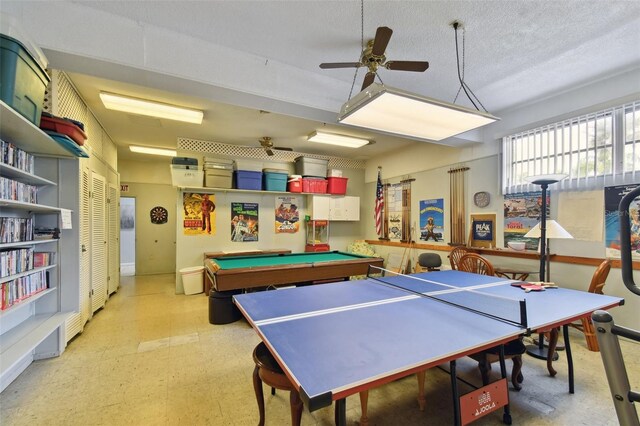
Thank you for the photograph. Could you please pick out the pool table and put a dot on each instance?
(239, 272)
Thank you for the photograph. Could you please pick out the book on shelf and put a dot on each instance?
(43, 258)
(22, 288)
(17, 191)
(13, 156)
(15, 261)
(15, 229)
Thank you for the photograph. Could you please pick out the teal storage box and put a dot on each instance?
(22, 80)
(274, 179)
(247, 179)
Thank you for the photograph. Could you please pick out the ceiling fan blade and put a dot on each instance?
(417, 66)
(330, 65)
(281, 148)
(268, 151)
(368, 80)
(383, 35)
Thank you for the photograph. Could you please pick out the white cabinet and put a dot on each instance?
(32, 327)
(337, 208)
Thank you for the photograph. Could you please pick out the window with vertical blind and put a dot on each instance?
(594, 150)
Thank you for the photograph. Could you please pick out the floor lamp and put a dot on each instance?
(539, 351)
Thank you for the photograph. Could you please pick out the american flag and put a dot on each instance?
(379, 204)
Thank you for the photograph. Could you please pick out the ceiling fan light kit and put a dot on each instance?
(268, 146)
(340, 140)
(373, 57)
(407, 114)
(150, 108)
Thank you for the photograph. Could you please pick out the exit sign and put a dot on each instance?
(124, 188)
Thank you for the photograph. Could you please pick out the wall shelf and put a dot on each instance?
(22, 176)
(19, 343)
(29, 206)
(19, 244)
(20, 131)
(27, 301)
(263, 192)
(25, 273)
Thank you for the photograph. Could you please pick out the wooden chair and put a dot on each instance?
(475, 263)
(268, 371)
(455, 255)
(597, 284)
(514, 349)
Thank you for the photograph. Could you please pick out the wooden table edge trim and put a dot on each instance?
(528, 254)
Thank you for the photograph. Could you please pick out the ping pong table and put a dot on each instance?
(335, 340)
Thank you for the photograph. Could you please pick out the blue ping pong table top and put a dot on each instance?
(335, 339)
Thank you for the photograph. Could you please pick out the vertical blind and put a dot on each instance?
(594, 150)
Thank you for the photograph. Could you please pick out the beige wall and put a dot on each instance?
(165, 248)
(190, 248)
(150, 184)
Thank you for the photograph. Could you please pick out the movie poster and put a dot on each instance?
(244, 222)
(198, 214)
(522, 211)
(612, 197)
(287, 215)
(432, 219)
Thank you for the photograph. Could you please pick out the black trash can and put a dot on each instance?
(222, 310)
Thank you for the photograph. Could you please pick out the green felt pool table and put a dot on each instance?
(239, 272)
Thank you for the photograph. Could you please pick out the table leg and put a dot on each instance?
(341, 412)
(257, 386)
(364, 401)
(567, 348)
(422, 401)
(553, 341)
(506, 414)
(539, 351)
(454, 392)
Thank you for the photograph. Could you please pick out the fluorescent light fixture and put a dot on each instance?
(150, 108)
(403, 113)
(153, 151)
(333, 139)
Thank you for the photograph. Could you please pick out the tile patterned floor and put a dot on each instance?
(150, 357)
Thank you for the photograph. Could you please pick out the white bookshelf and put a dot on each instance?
(32, 328)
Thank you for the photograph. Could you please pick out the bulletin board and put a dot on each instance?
(483, 230)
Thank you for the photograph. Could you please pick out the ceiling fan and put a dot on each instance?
(373, 57)
(267, 144)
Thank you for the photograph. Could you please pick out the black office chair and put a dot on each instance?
(428, 262)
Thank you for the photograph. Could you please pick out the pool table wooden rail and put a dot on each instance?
(303, 273)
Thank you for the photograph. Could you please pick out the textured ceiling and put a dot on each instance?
(265, 54)
(523, 47)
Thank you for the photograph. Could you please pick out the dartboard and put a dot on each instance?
(159, 215)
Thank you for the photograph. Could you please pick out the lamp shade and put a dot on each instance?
(553, 230)
(403, 113)
(546, 179)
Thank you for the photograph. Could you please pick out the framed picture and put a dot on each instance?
(483, 230)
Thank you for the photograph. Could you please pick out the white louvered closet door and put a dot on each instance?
(75, 323)
(113, 241)
(85, 245)
(98, 241)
